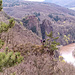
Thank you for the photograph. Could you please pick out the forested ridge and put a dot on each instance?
(23, 51)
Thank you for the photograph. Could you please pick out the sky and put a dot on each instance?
(36, 0)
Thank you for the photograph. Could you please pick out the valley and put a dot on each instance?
(60, 19)
(35, 37)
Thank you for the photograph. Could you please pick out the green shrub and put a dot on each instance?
(4, 27)
(66, 38)
(11, 23)
(51, 43)
(9, 59)
(1, 43)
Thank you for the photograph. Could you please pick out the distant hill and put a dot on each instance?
(10, 0)
(70, 5)
(65, 3)
(31, 7)
(61, 2)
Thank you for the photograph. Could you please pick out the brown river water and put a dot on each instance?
(66, 52)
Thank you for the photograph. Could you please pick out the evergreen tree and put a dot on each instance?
(51, 43)
(1, 43)
(9, 59)
(11, 23)
(5, 27)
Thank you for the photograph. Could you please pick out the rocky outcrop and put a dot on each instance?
(32, 23)
(46, 27)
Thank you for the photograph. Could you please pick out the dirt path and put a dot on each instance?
(66, 52)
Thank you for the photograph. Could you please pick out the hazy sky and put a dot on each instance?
(36, 0)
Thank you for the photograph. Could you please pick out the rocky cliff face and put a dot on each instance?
(46, 27)
(32, 23)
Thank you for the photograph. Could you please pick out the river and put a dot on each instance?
(66, 52)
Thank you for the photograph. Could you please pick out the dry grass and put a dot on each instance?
(19, 35)
(65, 68)
(38, 64)
(36, 61)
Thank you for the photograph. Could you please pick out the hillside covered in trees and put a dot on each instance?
(22, 52)
(35, 16)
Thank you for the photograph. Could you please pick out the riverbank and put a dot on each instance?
(66, 52)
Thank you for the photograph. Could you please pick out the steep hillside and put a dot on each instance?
(18, 34)
(4, 17)
(37, 59)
